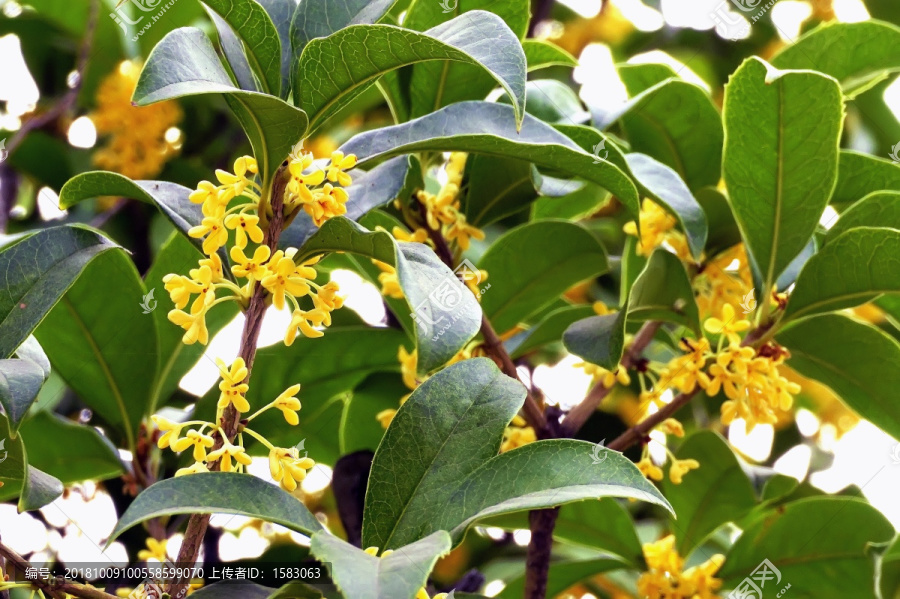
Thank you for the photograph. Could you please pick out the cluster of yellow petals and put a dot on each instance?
(156, 550)
(286, 465)
(138, 139)
(666, 577)
(725, 280)
(677, 468)
(657, 228)
(517, 434)
(442, 211)
(277, 272)
(318, 190)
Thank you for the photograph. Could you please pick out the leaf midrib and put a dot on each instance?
(779, 189)
(501, 195)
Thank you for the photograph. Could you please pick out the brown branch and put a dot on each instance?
(537, 561)
(58, 588)
(231, 418)
(643, 428)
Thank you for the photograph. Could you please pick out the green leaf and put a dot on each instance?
(233, 49)
(663, 292)
(55, 257)
(497, 188)
(549, 330)
(359, 428)
(171, 198)
(540, 54)
(723, 230)
(255, 29)
(425, 15)
(218, 493)
(552, 268)
(715, 493)
(859, 55)
(488, 128)
(838, 352)
(328, 75)
(780, 162)
(101, 344)
(14, 465)
(638, 78)
(71, 452)
(185, 63)
(820, 545)
(400, 575)
(281, 13)
(676, 123)
(663, 184)
(889, 576)
(20, 382)
(563, 575)
(321, 18)
(855, 268)
(449, 426)
(862, 174)
(599, 339)
(878, 209)
(39, 489)
(178, 256)
(328, 369)
(576, 205)
(32, 351)
(553, 101)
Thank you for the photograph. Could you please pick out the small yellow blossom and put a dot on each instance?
(666, 578)
(156, 549)
(250, 268)
(305, 321)
(193, 324)
(601, 309)
(656, 226)
(245, 226)
(649, 469)
(670, 426)
(681, 467)
(198, 441)
(195, 468)
(288, 468)
(517, 436)
(408, 367)
(226, 454)
(339, 165)
(390, 284)
(212, 229)
(289, 404)
(284, 278)
(727, 325)
(385, 417)
(607, 377)
(232, 388)
(171, 431)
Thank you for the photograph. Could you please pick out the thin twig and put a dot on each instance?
(58, 588)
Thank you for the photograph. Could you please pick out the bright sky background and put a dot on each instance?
(865, 457)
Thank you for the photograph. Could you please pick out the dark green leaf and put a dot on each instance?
(32, 351)
(38, 490)
(859, 55)
(329, 75)
(71, 452)
(598, 339)
(321, 18)
(821, 546)
(552, 268)
(780, 159)
(12, 469)
(841, 353)
(663, 184)
(359, 428)
(218, 493)
(862, 174)
(498, 187)
(185, 63)
(487, 128)
(553, 101)
(854, 268)
(233, 49)
(563, 575)
(715, 493)
(20, 382)
(103, 346)
(54, 257)
(254, 27)
(638, 78)
(878, 209)
(663, 292)
(399, 575)
(723, 230)
(549, 330)
(540, 54)
(448, 427)
(281, 12)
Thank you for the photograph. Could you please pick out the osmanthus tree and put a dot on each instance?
(729, 298)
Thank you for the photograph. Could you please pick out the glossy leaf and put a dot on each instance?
(838, 352)
(20, 382)
(780, 162)
(39, 489)
(861, 174)
(487, 128)
(553, 267)
(255, 29)
(328, 75)
(553, 101)
(663, 184)
(448, 427)
(55, 258)
(498, 187)
(281, 12)
(233, 49)
(859, 55)
(563, 575)
(31, 351)
(854, 268)
(878, 209)
(14, 465)
(218, 493)
(185, 63)
(663, 292)
(103, 346)
(69, 451)
(359, 427)
(321, 18)
(399, 575)
(715, 493)
(817, 543)
(540, 54)
(549, 330)
(598, 339)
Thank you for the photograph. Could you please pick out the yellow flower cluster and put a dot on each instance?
(275, 271)
(139, 139)
(666, 577)
(442, 211)
(319, 191)
(678, 468)
(657, 228)
(285, 465)
(517, 434)
(423, 593)
(724, 280)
